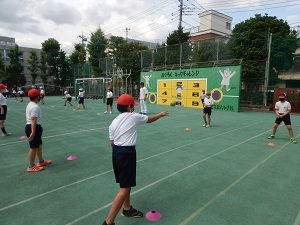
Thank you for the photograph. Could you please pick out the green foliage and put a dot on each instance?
(2, 68)
(96, 48)
(129, 56)
(178, 37)
(43, 68)
(64, 71)
(51, 48)
(250, 42)
(15, 76)
(33, 65)
(79, 54)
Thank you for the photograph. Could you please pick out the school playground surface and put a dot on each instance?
(223, 175)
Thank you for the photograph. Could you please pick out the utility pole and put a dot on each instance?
(180, 13)
(126, 30)
(83, 39)
(265, 100)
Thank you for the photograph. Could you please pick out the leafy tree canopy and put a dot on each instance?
(178, 37)
(96, 48)
(249, 41)
(33, 65)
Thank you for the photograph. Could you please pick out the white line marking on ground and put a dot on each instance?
(297, 220)
(166, 177)
(58, 135)
(43, 194)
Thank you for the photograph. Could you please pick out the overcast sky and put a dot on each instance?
(31, 22)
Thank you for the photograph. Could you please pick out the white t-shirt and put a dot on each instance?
(282, 107)
(202, 96)
(208, 101)
(21, 92)
(109, 94)
(143, 92)
(33, 110)
(68, 96)
(81, 93)
(123, 129)
(2, 99)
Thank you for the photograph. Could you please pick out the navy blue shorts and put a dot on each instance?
(3, 116)
(286, 119)
(124, 163)
(109, 101)
(81, 100)
(69, 99)
(37, 140)
(207, 110)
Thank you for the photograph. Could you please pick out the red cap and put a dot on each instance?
(33, 93)
(281, 93)
(109, 88)
(2, 86)
(126, 99)
(208, 93)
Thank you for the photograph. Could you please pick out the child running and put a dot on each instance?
(123, 136)
(3, 110)
(34, 131)
(68, 98)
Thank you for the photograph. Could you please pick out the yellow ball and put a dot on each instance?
(172, 103)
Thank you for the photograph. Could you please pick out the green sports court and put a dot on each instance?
(223, 175)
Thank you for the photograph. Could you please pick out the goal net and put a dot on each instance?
(95, 88)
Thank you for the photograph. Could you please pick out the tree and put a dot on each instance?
(43, 68)
(2, 68)
(175, 48)
(15, 76)
(96, 48)
(250, 42)
(51, 48)
(79, 54)
(33, 65)
(128, 57)
(63, 69)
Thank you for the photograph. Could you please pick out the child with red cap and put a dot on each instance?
(3, 110)
(109, 100)
(282, 110)
(34, 131)
(207, 104)
(123, 136)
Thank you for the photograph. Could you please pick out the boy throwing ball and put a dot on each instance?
(123, 135)
(282, 110)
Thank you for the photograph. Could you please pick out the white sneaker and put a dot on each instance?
(207, 126)
(105, 112)
(204, 125)
(5, 135)
(110, 112)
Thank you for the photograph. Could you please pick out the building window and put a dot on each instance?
(228, 26)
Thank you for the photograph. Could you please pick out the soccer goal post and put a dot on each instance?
(95, 88)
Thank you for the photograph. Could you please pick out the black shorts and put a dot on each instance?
(286, 119)
(69, 99)
(81, 100)
(124, 163)
(109, 101)
(21, 95)
(207, 110)
(42, 96)
(37, 140)
(3, 116)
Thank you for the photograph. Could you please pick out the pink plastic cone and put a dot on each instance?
(71, 157)
(153, 215)
(23, 137)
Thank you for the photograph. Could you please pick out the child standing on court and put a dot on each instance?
(109, 100)
(282, 110)
(42, 94)
(81, 98)
(3, 110)
(34, 131)
(68, 98)
(202, 96)
(207, 104)
(123, 136)
(143, 98)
